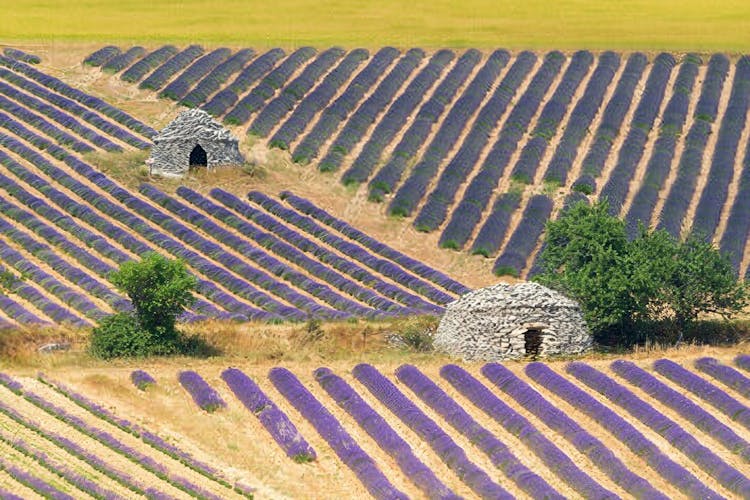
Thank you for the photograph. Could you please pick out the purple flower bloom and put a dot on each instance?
(331, 430)
(42, 487)
(11, 383)
(203, 394)
(273, 419)
(142, 380)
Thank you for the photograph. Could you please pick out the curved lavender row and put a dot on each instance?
(123, 60)
(203, 394)
(66, 120)
(353, 250)
(63, 138)
(316, 100)
(550, 118)
(383, 434)
(660, 163)
(61, 242)
(455, 173)
(337, 112)
(426, 428)
(142, 379)
(584, 442)
(147, 437)
(85, 99)
(76, 450)
(492, 234)
(631, 151)
(38, 485)
(706, 459)
(116, 445)
(500, 455)
(468, 212)
(428, 115)
(216, 78)
(276, 422)
(557, 461)
(237, 286)
(714, 195)
(50, 256)
(227, 97)
(334, 434)
(395, 117)
(20, 55)
(305, 244)
(705, 390)
(52, 285)
(268, 86)
(670, 470)
(180, 86)
(69, 105)
(260, 257)
(286, 101)
(365, 115)
(58, 468)
(687, 409)
(86, 213)
(413, 265)
(19, 313)
(101, 56)
(168, 69)
(613, 116)
(138, 70)
(523, 240)
(726, 374)
(691, 160)
(581, 117)
(39, 300)
(288, 251)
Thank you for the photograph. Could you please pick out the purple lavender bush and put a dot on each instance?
(203, 394)
(275, 421)
(142, 380)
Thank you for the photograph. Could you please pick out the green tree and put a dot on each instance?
(628, 289)
(160, 289)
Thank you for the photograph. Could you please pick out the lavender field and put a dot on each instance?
(480, 149)
(629, 429)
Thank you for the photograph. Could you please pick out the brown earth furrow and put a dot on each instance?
(617, 143)
(636, 463)
(680, 146)
(640, 169)
(336, 95)
(705, 438)
(708, 153)
(357, 148)
(112, 458)
(171, 464)
(505, 183)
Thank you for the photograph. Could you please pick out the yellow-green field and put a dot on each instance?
(565, 24)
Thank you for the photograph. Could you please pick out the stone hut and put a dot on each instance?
(193, 139)
(504, 322)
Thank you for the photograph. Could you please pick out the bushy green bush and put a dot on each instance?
(631, 290)
(159, 289)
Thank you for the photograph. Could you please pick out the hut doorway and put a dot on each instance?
(198, 157)
(532, 338)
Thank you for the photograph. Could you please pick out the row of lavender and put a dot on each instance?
(696, 452)
(266, 286)
(161, 465)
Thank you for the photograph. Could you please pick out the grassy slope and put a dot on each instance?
(566, 24)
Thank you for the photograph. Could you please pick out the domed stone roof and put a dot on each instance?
(194, 124)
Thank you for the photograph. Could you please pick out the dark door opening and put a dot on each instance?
(198, 157)
(532, 342)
